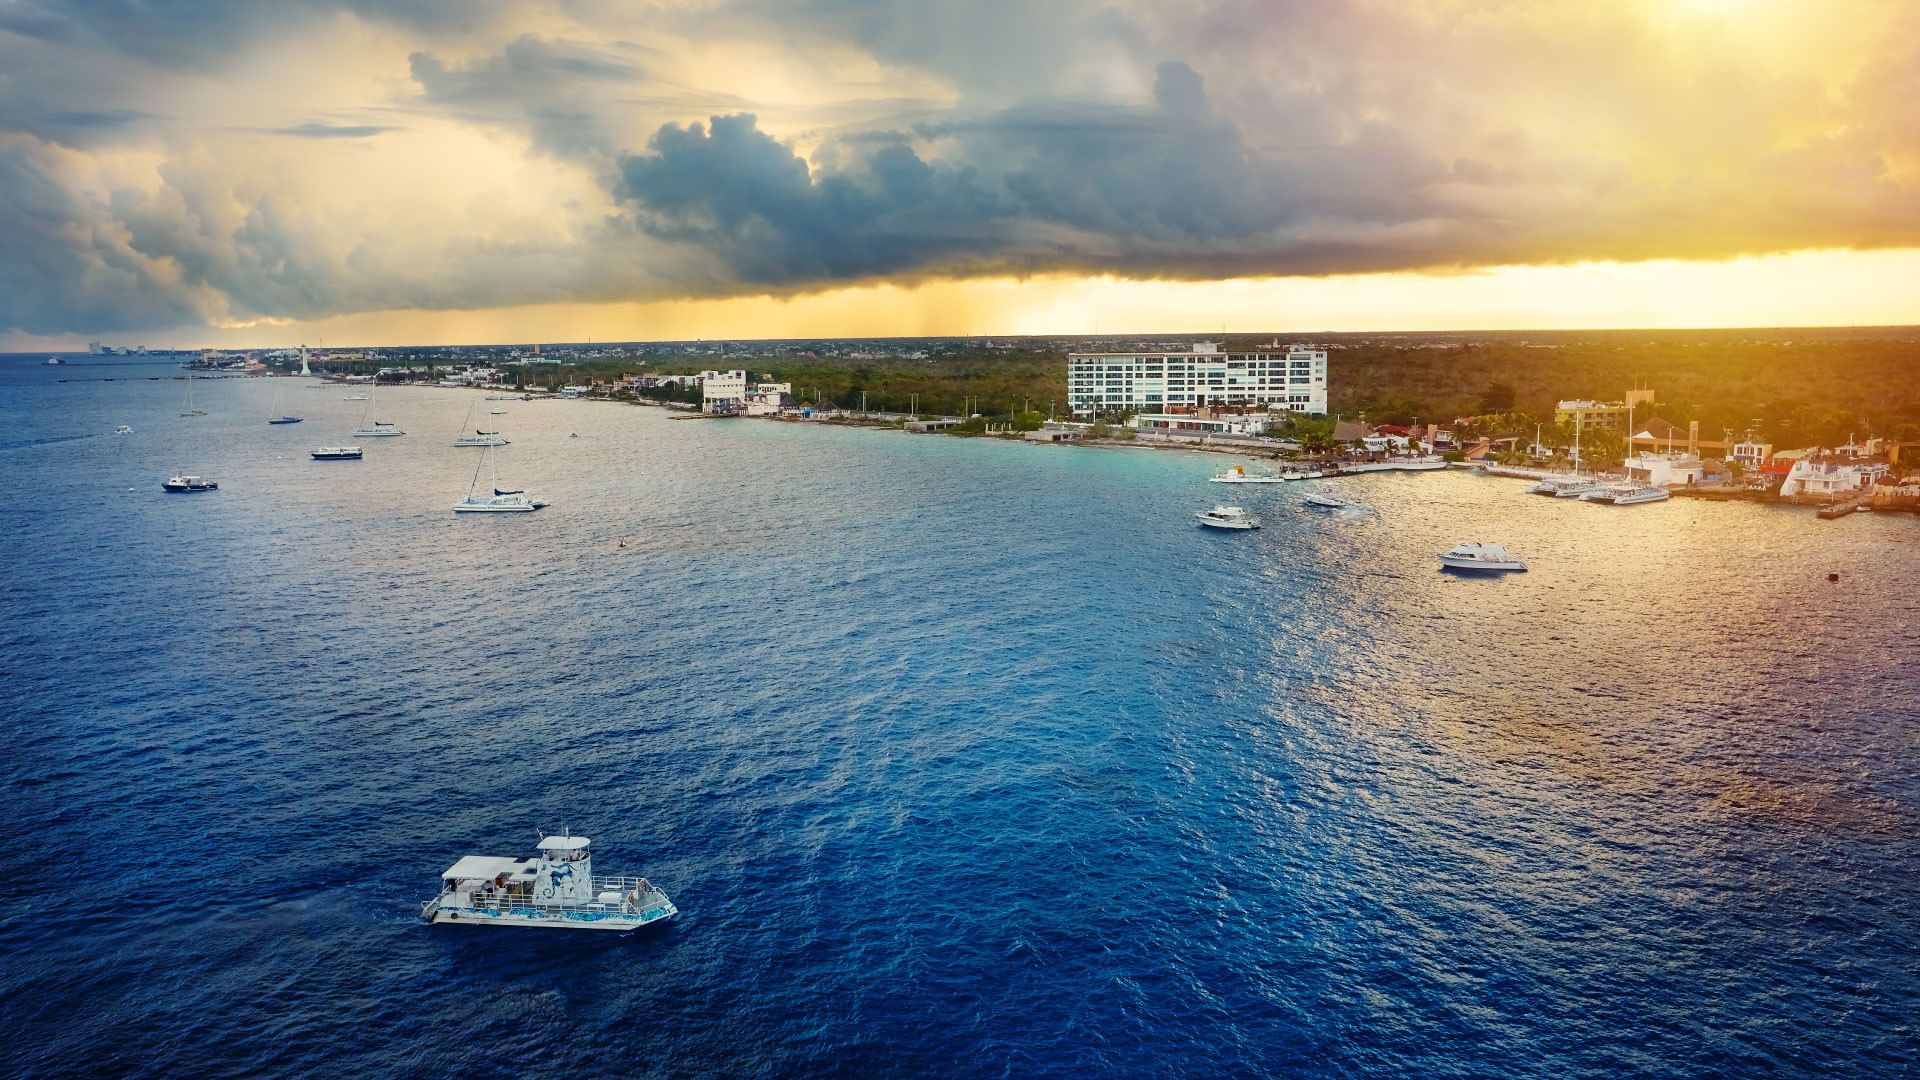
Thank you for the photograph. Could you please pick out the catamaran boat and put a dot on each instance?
(556, 889)
(377, 429)
(1565, 487)
(286, 420)
(480, 438)
(1465, 556)
(1239, 475)
(1628, 495)
(338, 453)
(1227, 517)
(187, 482)
(502, 501)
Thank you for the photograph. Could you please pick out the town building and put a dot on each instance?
(1750, 452)
(1665, 470)
(1174, 382)
(767, 398)
(1829, 478)
(1193, 424)
(723, 391)
(1659, 435)
(1601, 415)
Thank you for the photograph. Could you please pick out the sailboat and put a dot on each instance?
(377, 429)
(191, 411)
(276, 408)
(479, 437)
(502, 501)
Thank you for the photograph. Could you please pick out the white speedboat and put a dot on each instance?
(1239, 475)
(480, 438)
(556, 889)
(1227, 517)
(496, 412)
(338, 453)
(123, 429)
(186, 482)
(1323, 501)
(1465, 556)
(354, 397)
(1628, 495)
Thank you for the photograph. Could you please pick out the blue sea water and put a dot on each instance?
(959, 757)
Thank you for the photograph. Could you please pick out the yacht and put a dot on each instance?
(187, 482)
(338, 453)
(480, 438)
(1239, 475)
(1491, 557)
(502, 501)
(377, 429)
(1227, 517)
(54, 360)
(1324, 501)
(556, 889)
(1627, 495)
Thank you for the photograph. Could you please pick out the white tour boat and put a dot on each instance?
(1239, 475)
(1227, 517)
(1322, 500)
(1627, 495)
(556, 889)
(186, 482)
(338, 453)
(1565, 487)
(1465, 556)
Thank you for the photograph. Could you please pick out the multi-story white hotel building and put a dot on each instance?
(1160, 382)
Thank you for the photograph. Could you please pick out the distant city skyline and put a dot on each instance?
(252, 174)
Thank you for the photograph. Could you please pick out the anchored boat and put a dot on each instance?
(338, 453)
(186, 482)
(555, 889)
(1227, 517)
(1465, 556)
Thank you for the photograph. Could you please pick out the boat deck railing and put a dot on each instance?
(642, 894)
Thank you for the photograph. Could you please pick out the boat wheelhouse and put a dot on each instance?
(556, 889)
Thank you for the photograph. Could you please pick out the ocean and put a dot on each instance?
(959, 757)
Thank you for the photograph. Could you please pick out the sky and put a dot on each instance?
(263, 172)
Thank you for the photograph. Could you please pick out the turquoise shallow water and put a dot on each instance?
(958, 756)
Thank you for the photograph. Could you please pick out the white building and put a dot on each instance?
(1189, 424)
(1162, 382)
(723, 391)
(1665, 470)
(767, 398)
(1828, 479)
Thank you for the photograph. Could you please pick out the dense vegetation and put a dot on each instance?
(1794, 387)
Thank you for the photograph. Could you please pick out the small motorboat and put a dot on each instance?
(1227, 517)
(187, 482)
(285, 420)
(1320, 500)
(338, 453)
(1488, 557)
(123, 429)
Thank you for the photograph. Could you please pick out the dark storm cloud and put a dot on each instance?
(1169, 188)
